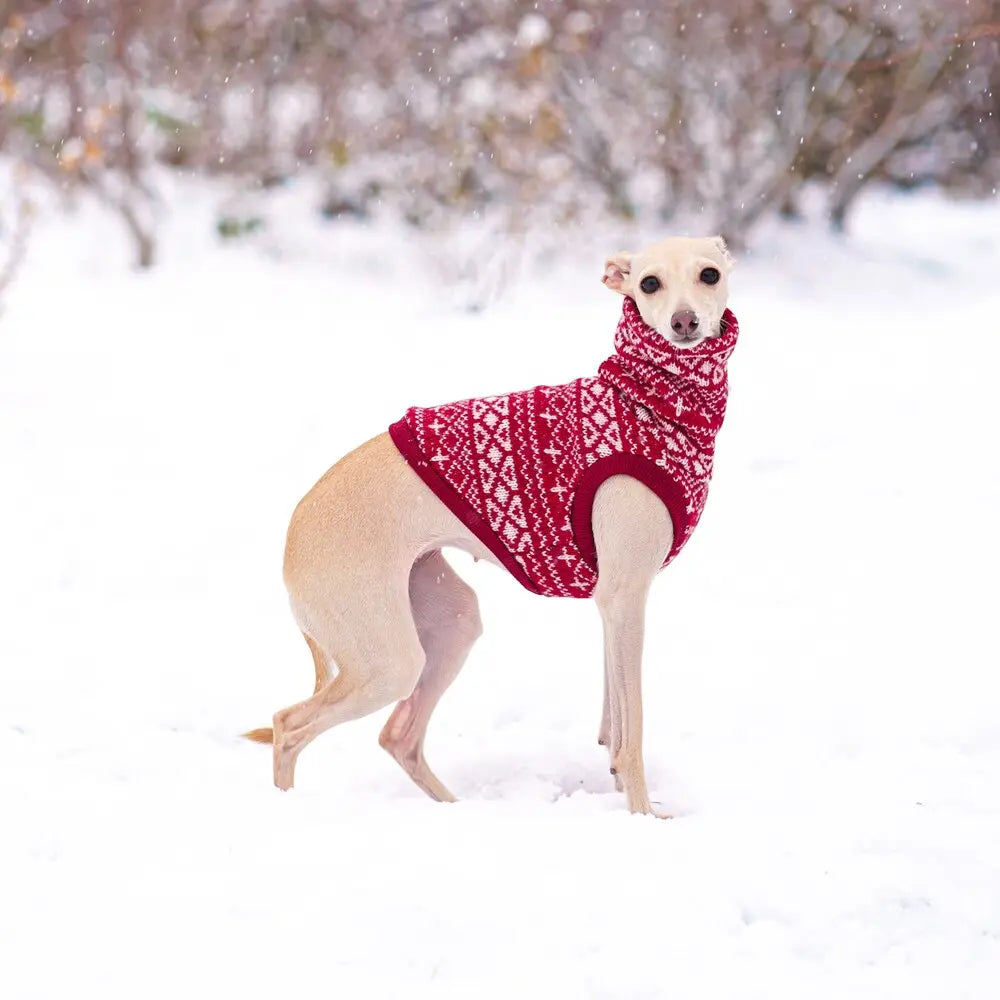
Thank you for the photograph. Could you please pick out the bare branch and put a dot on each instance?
(18, 243)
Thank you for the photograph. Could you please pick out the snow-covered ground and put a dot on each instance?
(822, 684)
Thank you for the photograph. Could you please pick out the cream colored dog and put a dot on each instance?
(373, 595)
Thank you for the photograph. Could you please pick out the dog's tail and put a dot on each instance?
(260, 735)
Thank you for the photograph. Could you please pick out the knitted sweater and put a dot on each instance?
(521, 470)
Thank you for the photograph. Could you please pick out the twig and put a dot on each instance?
(989, 30)
(18, 243)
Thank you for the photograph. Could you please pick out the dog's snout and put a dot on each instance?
(684, 322)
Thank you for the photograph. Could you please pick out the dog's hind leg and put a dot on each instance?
(446, 614)
(322, 667)
(377, 664)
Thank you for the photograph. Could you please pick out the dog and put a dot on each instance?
(386, 617)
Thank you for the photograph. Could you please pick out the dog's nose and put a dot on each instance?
(684, 323)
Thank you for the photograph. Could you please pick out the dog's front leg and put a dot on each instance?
(604, 733)
(622, 614)
(633, 534)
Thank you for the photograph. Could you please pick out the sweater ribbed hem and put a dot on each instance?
(649, 474)
(404, 440)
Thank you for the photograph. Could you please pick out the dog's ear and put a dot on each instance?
(617, 270)
(724, 250)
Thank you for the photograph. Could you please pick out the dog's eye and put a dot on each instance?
(710, 275)
(650, 284)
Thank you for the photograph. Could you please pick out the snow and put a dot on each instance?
(533, 30)
(821, 688)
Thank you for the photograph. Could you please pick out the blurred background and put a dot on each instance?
(527, 115)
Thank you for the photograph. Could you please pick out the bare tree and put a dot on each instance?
(528, 112)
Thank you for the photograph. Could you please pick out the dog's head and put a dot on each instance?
(680, 286)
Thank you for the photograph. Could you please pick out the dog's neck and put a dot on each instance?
(636, 340)
(668, 380)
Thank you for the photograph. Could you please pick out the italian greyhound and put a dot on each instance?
(386, 617)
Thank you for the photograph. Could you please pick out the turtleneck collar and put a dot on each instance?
(683, 386)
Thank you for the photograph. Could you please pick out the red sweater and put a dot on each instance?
(521, 470)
